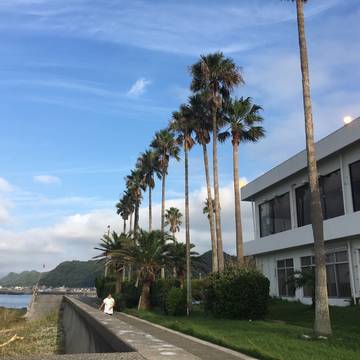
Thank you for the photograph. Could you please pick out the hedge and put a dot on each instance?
(159, 291)
(237, 293)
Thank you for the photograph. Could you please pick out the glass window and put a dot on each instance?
(337, 272)
(275, 215)
(331, 199)
(285, 271)
(355, 184)
(303, 205)
(332, 195)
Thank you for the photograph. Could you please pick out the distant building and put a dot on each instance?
(281, 209)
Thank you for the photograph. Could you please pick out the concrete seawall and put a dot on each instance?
(85, 333)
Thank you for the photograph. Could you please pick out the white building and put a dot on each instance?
(281, 209)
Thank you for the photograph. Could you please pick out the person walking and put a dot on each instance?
(108, 305)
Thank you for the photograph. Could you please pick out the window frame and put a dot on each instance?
(290, 290)
(355, 209)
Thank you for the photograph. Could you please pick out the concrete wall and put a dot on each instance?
(86, 334)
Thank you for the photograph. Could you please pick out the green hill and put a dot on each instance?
(25, 278)
(69, 274)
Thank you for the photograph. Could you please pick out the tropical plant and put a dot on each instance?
(206, 208)
(176, 258)
(305, 278)
(202, 123)
(148, 166)
(182, 125)
(124, 208)
(215, 75)
(134, 186)
(147, 254)
(173, 218)
(322, 324)
(166, 147)
(243, 121)
(111, 247)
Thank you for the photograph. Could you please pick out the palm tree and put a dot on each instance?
(134, 186)
(147, 255)
(166, 147)
(202, 128)
(216, 76)
(322, 325)
(147, 163)
(207, 205)
(182, 125)
(111, 246)
(243, 120)
(175, 254)
(124, 208)
(173, 218)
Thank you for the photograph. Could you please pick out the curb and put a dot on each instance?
(194, 339)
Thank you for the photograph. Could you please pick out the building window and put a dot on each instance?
(331, 199)
(275, 215)
(355, 184)
(337, 272)
(302, 195)
(285, 272)
(331, 195)
(307, 262)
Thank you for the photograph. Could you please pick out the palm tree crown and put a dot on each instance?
(173, 218)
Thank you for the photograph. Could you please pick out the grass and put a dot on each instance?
(39, 337)
(279, 337)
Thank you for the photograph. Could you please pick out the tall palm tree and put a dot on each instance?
(216, 75)
(243, 120)
(207, 205)
(166, 147)
(182, 124)
(175, 254)
(173, 218)
(111, 246)
(322, 325)
(148, 165)
(148, 255)
(134, 186)
(202, 127)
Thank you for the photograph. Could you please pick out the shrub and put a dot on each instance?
(238, 294)
(104, 286)
(198, 289)
(120, 303)
(159, 291)
(130, 294)
(176, 302)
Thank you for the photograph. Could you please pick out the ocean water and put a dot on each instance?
(14, 301)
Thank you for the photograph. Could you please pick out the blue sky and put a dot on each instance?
(85, 84)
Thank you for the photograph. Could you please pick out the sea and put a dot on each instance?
(15, 301)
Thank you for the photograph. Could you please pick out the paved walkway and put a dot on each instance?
(202, 349)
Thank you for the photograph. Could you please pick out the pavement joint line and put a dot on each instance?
(194, 339)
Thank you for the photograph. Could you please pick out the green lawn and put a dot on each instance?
(278, 337)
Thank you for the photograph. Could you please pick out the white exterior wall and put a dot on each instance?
(342, 231)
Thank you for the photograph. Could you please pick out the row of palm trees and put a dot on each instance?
(213, 79)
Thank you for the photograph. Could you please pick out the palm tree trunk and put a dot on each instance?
(131, 221)
(124, 229)
(214, 266)
(238, 225)
(322, 325)
(220, 252)
(150, 210)
(136, 219)
(163, 202)
(144, 301)
(163, 214)
(187, 234)
(119, 279)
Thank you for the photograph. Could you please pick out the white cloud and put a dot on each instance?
(139, 87)
(47, 179)
(5, 185)
(74, 237)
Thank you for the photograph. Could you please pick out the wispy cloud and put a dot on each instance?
(47, 179)
(5, 185)
(139, 87)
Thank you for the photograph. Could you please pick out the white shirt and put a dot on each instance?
(109, 304)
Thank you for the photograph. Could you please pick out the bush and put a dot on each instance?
(120, 303)
(237, 294)
(159, 291)
(130, 294)
(104, 286)
(176, 302)
(198, 289)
